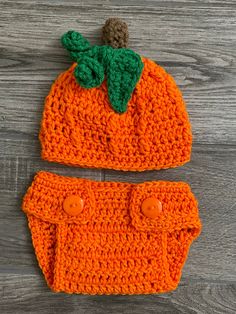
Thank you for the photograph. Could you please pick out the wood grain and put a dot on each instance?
(196, 42)
(22, 293)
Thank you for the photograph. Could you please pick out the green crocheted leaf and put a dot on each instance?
(89, 72)
(123, 73)
(122, 66)
(75, 43)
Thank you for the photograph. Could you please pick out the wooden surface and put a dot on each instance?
(196, 42)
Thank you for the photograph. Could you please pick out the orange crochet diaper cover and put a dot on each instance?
(110, 237)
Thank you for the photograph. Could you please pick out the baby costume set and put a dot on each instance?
(117, 110)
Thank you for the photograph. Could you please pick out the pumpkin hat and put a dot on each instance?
(114, 109)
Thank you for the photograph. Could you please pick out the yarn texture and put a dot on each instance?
(123, 68)
(110, 247)
(80, 128)
(115, 33)
(112, 109)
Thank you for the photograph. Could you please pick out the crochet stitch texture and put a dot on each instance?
(111, 247)
(112, 109)
(80, 128)
(115, 33)
(122, 67)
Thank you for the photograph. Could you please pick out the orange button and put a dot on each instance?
(151, 207)
(73, 205)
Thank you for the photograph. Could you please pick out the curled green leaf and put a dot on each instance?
(122, 67)
(89, 72)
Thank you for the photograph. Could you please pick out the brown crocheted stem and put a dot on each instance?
(115, 33)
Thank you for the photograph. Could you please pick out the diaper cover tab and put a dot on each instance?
(110, 237)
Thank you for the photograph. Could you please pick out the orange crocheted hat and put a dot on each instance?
(114, 109)
(111, 237)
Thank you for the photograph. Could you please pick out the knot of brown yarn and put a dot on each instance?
(115, 33)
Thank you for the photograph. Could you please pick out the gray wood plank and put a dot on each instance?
(28, 293)
(211, 174)
(18, 172)
(212, 177)
(195, 41)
